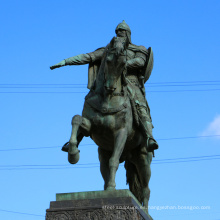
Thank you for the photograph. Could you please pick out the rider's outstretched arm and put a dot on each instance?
(76, 60)
(81, 59)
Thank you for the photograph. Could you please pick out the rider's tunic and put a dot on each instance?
(136, 60)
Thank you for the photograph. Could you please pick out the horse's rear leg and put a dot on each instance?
(142, 164)
(120, 140)
(80, 128)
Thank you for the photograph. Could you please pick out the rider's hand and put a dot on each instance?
(53, 67)
(60, 64)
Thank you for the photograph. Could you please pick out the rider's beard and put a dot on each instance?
(123, 39)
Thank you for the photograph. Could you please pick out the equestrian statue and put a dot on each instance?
(116, 115)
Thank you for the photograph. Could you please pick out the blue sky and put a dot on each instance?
(37, 104)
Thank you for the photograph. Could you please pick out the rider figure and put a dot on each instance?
(137, 58)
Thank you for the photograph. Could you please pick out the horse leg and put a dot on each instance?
(120, 138)
(78, 123)
(142, 164)
(104, 165)
(80, 136)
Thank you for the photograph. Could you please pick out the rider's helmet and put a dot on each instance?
(125, 27)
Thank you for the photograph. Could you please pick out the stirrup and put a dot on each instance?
(65, 147)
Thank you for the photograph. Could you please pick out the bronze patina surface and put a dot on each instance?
(116, 114)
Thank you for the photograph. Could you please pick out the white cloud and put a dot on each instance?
(213, 128)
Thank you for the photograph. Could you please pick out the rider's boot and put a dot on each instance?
(151, 142)
(147, 129)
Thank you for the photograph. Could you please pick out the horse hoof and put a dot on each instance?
(73, 158)
(110, 188)
(73, 155)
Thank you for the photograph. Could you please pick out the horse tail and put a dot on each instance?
(133, 180)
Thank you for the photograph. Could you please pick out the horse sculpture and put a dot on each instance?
(107, 118)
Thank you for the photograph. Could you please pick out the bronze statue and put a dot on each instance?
(116, 114)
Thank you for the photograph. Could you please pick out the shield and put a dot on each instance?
(149, 65)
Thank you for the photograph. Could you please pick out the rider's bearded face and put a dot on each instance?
(121, 33)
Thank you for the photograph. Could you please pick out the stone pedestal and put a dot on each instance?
(96, 205)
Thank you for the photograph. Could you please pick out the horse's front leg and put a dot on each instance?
(78, 124)
(104, 157)
(120, 138)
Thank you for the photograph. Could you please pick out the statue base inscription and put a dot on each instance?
(96, 205)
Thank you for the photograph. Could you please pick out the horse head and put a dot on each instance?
(115, 63)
